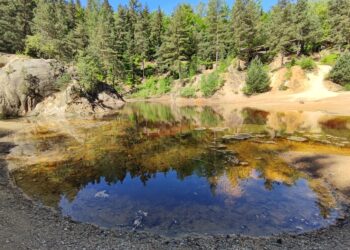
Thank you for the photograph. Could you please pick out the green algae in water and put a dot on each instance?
(151, 169)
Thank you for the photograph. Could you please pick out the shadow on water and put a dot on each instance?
(169, 171)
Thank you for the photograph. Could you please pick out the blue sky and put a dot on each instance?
(168, 6)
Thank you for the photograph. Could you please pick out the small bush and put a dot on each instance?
(164, 86)
(63, 81)
(153, 87)
(147, 89)
(210, 84)
(347, 87)
(330, 59)
(188, 92)
(341, 72)
(258, 80)
(306, 63)
(224, 64)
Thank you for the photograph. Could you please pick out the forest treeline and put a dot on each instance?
(131, 43)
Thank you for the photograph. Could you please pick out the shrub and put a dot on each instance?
(164, 86)
(341, 72)
(347, 87)
(330, 59)
(306, 63)
(153, 87)
(63, 81)
(210, 84)
(147, 89)
(224, 64)
(90, 73)
(188, 92)
(258, 80)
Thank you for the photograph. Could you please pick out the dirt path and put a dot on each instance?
(316, 89)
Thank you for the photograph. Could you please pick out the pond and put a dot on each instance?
(181, 170)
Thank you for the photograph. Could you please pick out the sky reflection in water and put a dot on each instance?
(152, 168)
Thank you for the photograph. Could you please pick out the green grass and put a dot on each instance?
(188, 92)
(330, 59)
(347, 87)
(306, 63)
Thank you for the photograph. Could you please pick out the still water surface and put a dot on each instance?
(175, 171)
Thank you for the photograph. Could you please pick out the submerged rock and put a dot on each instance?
(102, 194)
(297, 139)
(238, 137)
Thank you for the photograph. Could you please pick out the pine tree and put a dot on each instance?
(217, 28)
(50, 37)
(131, 52)
(339, 19)
(121, 45)
(307, 26)
(7, 33)
(142, 37)
(157, 32)
(177, 47)
(107, 40)
(281, 31)
(245, 22)
(24, 17)
(80, 33)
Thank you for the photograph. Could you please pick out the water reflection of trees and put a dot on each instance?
(150, 140)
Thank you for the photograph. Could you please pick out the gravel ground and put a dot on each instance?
(25, 224)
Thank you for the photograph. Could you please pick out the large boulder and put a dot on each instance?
(73, 101)
(24, 82)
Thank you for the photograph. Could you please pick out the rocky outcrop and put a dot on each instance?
(24, 82)
(74, 101)
(31, 87)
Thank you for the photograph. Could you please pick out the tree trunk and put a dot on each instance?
(217, 50)
(143, 69)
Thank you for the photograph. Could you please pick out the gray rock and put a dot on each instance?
(24, 82)
(71, 102)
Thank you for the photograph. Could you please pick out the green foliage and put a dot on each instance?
(132, 44)
(330, 59)
(188, 92)
(341, 72)
(15, 19)
(245, 23)
(90, 72)
(63, 81)
(347, 87)
(153, 87)
(164, 86)
(258, 80)
(224, 64)
(339, 19)
(307, 63)
(210, 84)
